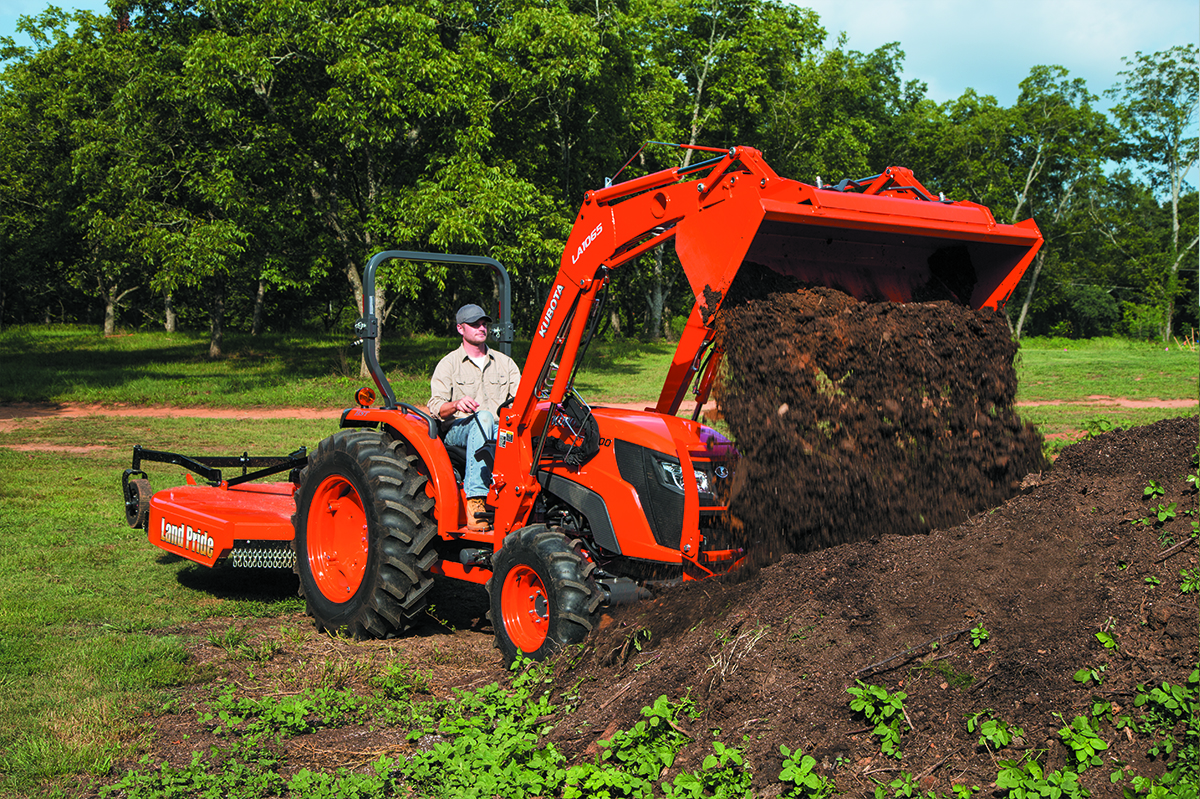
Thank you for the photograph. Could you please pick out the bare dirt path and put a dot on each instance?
(11, 412)
(12, 415)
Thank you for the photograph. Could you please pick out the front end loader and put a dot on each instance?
(593, 506)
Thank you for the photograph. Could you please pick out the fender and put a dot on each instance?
(414, 429)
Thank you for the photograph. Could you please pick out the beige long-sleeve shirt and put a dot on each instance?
(457, 376)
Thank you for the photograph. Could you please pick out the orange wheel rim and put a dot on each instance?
(525, 608)
(337, 539)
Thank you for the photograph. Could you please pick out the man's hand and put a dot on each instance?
(463, 405)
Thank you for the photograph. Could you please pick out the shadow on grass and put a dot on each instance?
(243, 585)
(453, 604)
(76, 364)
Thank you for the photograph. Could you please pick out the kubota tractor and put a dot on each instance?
(592, 505)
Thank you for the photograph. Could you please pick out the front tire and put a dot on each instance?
(543, 596)
(363, 530)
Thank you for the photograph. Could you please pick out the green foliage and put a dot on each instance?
(1107, 640)
(166, 159)
(884, 710)
(1094, 674)
(1189, 581)
(979, 635)
(1026, 779)
(399, 681)
(994, 732)
(249, 773)
(1082, 737)
(1170, 715)
(722, 776)
(651, 744)
(1098, 426)
(1153, 490)
(802, 781)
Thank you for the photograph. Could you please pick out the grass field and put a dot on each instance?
(86, 604)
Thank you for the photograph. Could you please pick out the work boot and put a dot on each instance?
(475, 511)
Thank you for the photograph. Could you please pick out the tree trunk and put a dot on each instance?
(256, 325)
(1037, 269)
(169, 319)
(216, 330)
(654, 299)
(110, 311)
(112, 301)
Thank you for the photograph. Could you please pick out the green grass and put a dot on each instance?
(1071, 372)
(1061, 369)
(74, 364)
(83, 598)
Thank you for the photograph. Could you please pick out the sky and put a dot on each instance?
(990, 45)
(952, 45)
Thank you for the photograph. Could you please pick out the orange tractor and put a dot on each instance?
(592, 505)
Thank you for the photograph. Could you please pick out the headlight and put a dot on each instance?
(673, 472)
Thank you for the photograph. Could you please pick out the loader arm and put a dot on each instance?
(885, 237)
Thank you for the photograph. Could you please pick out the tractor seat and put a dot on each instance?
(458, 459)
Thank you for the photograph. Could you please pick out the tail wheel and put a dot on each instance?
(543, 596)
(137, 503)
(363, 528)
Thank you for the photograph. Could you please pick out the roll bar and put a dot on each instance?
(367, 327)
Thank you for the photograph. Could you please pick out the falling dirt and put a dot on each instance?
(856, 418)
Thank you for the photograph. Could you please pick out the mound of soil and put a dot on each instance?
(856, 418)
(770, 658)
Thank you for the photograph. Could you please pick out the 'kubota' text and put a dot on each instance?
(558, 290)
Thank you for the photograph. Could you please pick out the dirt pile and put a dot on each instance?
(856, 419)
(770, 658)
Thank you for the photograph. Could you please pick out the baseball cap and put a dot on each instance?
(469, 314)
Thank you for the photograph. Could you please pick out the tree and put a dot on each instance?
(1056, 141)
(57, 106)
(708, 72)
(372, 122)
(1156, 111)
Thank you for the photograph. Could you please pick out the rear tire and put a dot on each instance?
(543, 596)
(363, 530)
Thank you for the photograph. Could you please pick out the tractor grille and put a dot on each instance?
(663, 504)
(262, 555)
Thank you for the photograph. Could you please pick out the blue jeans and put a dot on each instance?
(468, 433)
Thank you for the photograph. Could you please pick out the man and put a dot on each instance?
(467, 389)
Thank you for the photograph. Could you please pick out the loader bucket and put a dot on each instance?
(879, 248)
(884, 238)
